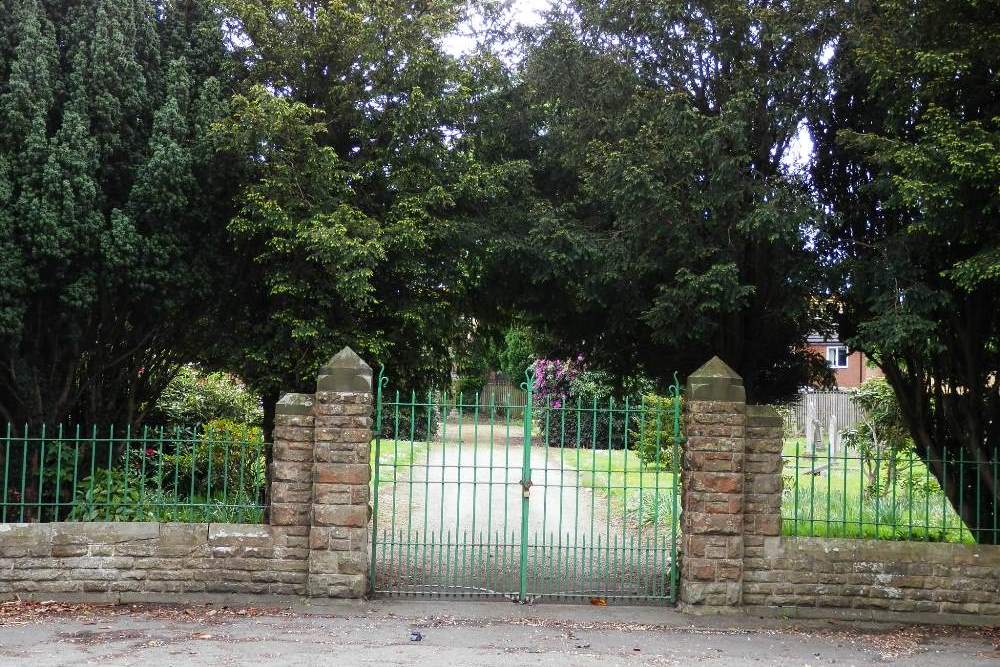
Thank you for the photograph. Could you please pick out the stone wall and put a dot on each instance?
(316, 543)
(131, 561)
(735, 559)
(855, 576)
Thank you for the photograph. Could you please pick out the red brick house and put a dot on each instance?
(850, 368)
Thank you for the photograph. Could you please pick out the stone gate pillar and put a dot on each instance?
(731, 487)
(338, 537)
(320, 473)
(712, 489)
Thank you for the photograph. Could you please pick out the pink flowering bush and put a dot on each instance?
(554, 379)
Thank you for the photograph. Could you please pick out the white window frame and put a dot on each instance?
(833, 353)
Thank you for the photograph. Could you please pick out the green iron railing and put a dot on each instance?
(112, 474)
(890, 496)
(525, 500)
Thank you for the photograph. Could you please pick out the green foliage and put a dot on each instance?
(357, 207)
(113, 495)
(215, 475)
(196, 397)
(651, 222)
(518, 352)
(113, 202)
(881, 439)
(654, 439)
(907, 136)
(226, 457)
(403, 423)
(586, 413)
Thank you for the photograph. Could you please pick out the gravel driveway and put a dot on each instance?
(452, 523)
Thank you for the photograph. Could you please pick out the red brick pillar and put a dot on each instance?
(712, 485)
(338, 538)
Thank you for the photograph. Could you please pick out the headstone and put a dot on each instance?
(834, 434)
(811, 423)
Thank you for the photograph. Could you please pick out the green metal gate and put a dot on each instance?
(528, 500)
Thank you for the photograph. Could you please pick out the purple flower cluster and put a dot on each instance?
(554, 379)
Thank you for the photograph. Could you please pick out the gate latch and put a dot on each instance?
(525, 488)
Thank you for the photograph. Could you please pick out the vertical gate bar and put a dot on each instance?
(506, 478)
(578, 552)
(545, 482)
(59, 446)
(843, 526)
(432, 404)
(593, 480)
(909, 501)
(961, 493)
(6, 474)
(41, 474)
(607, 527)
(526, 483)
(562, 459)
(795, 511)
(411, 546)
(657, 580)
(111, 446)
(76, 466)
(675, 465)
(475, 481)
(829, 481)
(382, 379)
(24, 471)
(996, 495)
(390, 566)
(489, 504)
(626, 490)
(458, 478)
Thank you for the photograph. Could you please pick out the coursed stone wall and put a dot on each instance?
(735, 559)
(131, 561)
(316, 542)
(857, 576)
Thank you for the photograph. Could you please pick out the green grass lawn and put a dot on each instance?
(640, 495)
(831, 498)
(395, 457)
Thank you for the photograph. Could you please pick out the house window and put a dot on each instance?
(836, 356)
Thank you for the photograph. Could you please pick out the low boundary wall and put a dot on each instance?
(734, 559)
(129, 561)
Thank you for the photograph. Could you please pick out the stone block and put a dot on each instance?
(340, 515)
(358, 473)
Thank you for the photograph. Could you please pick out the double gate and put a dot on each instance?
(525, 501)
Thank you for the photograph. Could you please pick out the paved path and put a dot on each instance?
(468, 497)
(466, 634)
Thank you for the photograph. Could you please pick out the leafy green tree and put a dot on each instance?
(360, 209)
(907, 139)
(651, 221)
(111, 197)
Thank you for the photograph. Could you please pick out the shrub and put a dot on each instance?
(425, 420)
(576, 407)
(225, 456)
(196, 397)
(654, 438)
(518, 352)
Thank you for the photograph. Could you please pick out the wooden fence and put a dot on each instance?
(825, 403)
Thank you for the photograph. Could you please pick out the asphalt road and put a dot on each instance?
(464, 634)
